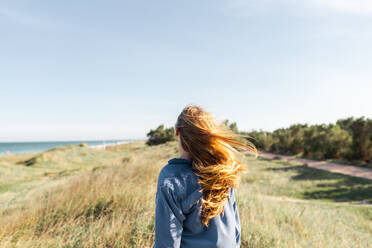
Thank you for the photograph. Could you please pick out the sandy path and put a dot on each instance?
(296, 200)
(323, 165)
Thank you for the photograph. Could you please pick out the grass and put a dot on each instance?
(80, 197)
(278, 177)
(358, 163)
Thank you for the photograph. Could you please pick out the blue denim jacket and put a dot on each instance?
(177, 214)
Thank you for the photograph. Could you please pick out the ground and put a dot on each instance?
(81, 197)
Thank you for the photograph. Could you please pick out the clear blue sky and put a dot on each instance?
(74, 70)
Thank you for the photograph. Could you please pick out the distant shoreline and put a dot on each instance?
(109, 144)
(14, 148)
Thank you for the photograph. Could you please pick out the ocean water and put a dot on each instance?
(28, 147)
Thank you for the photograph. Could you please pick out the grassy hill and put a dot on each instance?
(76, 196)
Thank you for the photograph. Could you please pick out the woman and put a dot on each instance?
(195, 199)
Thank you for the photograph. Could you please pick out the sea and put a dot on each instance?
(7, 148)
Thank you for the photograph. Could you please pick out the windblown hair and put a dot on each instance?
(213, 149)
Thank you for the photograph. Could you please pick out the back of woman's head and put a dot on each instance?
(212, 148)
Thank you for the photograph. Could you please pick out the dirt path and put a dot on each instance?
(323, 165)
(295, 200)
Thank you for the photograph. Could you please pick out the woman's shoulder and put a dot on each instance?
(176, 167)
(177, 173)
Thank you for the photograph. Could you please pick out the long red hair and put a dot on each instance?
(213, 149)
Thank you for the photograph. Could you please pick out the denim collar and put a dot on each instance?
(179, 161)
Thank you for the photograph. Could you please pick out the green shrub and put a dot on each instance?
(160, 135)
(349, 139)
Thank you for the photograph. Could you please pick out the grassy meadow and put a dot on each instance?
(76, 196)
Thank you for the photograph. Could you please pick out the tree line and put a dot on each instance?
(348, 139)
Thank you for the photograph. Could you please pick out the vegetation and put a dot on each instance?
(82, 197)
(160, 135)
(233, 126)
(348, 140)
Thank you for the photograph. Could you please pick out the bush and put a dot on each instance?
(349, 139)
(232, 126)
(160, 135)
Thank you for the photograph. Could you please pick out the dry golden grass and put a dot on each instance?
(109, 201)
